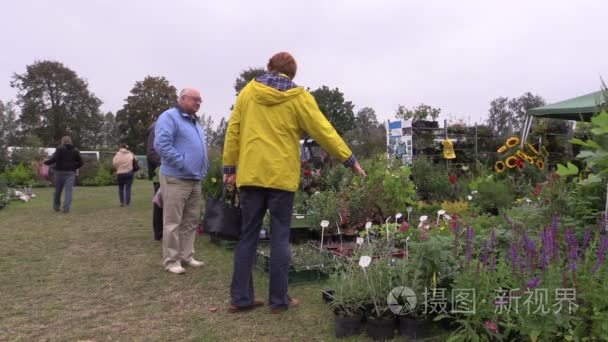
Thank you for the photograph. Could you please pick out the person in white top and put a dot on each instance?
(123, 162)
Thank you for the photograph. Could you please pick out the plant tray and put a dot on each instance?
(301, 221)
(222, 242)
(302, 275)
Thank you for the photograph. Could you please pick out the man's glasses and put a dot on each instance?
(195, 99)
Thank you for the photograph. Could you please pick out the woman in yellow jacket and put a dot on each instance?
(123, 162)
(262, 156)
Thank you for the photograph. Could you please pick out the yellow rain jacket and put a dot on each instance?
(264, 131)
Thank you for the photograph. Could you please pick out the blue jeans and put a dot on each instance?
(125, 180)
(254, 203)
(64, 179)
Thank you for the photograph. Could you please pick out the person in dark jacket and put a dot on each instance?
(67, 161)
(153, 165)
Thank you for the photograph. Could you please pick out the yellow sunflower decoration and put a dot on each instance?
(499, 166)
(512, 141)
(531, 148)
(502, 149)
(511, 162)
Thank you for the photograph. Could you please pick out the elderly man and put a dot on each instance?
(180, 141)
(262, 155)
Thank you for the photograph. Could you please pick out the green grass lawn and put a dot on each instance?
(95, 274)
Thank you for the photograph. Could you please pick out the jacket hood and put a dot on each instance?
(269, 96)
(68, 146)
(124, 150)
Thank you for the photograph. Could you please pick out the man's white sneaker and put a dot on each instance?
(194, 263)
(176, 269)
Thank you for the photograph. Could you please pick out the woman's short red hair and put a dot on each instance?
(284, 63)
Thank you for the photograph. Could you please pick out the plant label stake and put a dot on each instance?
(368, 225)
(364, 262)
(397, 217)
(324, 225)
(439, 214)
(386, 223)
(339, 234)
(422, 219)
(407, 252)
(359, 241)
(409, 210)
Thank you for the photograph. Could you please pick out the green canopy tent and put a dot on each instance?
(580, 108)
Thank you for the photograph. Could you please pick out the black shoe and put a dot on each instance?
(56, 209)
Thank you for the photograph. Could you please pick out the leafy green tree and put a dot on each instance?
(148, 99)
(338, 111)
(8, 129)
(507, 116)
(54, 102)
(245, 76)
(368, 138)
(109, 132)
(499, 116)
(520, 106)
(421, 112)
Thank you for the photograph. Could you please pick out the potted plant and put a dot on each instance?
(432, 265)
(348, 294)
(380, 318)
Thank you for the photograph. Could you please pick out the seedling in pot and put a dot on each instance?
(364, 262)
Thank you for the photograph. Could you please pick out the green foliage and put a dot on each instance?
(385, 191)
(148, 99)
(324, 206)
(338, 111)
(98, 175)
(493, 195)
(381, 281)
(20, 175)
(31, 152)
(422, 112)
(214, 181)
(368, 138)
(398, 191)
(8, 130)
(246, 76)
(350, 290)
(507, 116)
(54, 101)
(432, 182)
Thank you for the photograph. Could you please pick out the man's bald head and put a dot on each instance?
(190, 100)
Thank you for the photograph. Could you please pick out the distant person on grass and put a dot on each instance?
(67, 161)
(180, 141)
(262, 156)
(153, 175)
(123, 162)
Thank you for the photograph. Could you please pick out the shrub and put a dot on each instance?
(20, 175)
(493, 195)
(432, 182)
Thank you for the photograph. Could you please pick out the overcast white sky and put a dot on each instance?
(456, 55)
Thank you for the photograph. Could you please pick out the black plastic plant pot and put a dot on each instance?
(347, 326)
(414, 329)
(381, 329)
(328, 295)
(298, 235)
(349, 238)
